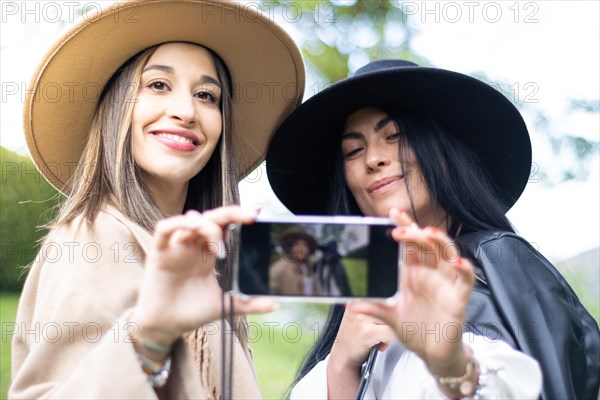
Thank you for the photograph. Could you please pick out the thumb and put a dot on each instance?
(252, 305)
(380, 310)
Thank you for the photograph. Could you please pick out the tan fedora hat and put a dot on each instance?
(291, 236)
(266, 68)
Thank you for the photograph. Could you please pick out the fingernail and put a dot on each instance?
(430, 229)
(400, 230)
(253, 213)
(221, 251)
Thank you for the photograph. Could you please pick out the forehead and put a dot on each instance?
(363, 119)
(186, 55)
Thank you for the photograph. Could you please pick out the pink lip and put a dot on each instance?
(383, 185)
(173, 144)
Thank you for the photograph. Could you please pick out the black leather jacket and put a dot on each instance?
(522, 299)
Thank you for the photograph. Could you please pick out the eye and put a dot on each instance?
(352, 153)
(158, 85)
(394, 137)
(206, 96)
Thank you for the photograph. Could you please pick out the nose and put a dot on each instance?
(377, 159)
(181, 107)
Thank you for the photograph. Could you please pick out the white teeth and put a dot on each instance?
(176, 138)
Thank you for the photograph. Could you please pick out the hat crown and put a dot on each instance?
(382, 65)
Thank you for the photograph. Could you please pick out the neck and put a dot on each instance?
(437, 218)
(169, 196)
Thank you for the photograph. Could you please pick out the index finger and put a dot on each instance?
(226, 215)
(401, 218)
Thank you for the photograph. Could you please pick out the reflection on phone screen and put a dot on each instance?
(318, 260)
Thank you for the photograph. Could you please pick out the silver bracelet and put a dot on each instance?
(157, 373)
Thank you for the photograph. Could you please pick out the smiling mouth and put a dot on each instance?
(177, 138)
(383, 185)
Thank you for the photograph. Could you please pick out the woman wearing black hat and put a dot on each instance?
(445, 156)
(330, 273)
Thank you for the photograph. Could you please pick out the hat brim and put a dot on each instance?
(266, 68)
(475, 113)
(287, 239)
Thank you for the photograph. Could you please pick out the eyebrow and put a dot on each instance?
(352, 136)
(170, 70)
(383, 122)
(378, 126)
(163, 68)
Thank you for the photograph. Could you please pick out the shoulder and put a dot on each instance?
(110, 229)
(501, 247)
(490, 238)
(87, 263)
(280, 265)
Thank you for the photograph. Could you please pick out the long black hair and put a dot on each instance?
(457, 181)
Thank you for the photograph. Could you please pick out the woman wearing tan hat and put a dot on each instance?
(445, 156)
(151, 130)
(294, 273)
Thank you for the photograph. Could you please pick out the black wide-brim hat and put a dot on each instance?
(472, 111)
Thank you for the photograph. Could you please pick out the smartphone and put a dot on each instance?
(329, 259)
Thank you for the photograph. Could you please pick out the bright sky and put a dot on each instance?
(548, 50)
(560, 54)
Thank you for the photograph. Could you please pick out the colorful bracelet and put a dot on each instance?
(155, 347)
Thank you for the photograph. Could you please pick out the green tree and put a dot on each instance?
(337, 37)
(26, 206)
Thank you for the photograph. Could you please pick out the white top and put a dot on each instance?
(307, 278)
(401, 374)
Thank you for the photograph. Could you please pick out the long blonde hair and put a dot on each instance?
(107, 172)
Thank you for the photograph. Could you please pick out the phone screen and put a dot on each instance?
(325, 259)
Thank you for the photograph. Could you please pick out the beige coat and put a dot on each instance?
(71, 339)
(287, 278)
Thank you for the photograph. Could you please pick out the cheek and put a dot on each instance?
(418, 189)
(137, 130)
(213, 125)
(352, 178)
(143, 109)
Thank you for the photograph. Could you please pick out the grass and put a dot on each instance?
(356, 269)
(8, 312)
(278, 354)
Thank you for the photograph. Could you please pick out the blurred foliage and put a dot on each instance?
(26, 204)
(590, 106)
(338, 37)
(8, 313)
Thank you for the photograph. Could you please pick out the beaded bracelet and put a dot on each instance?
(462, 383)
